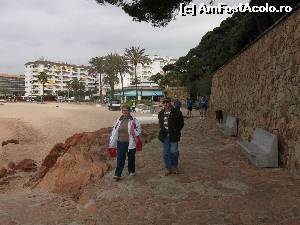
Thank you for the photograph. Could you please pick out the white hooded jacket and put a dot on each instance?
(115, 134)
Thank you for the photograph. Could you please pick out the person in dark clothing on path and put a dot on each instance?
(170, 122)
(203, 102)
(177, 104)
(189, 105)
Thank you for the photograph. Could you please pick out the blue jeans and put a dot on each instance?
(171, 153)
(122, 148)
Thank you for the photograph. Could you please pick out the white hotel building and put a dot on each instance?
(61, 73)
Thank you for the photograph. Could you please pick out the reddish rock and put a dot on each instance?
(26, 165)
(10, 141)
(11, 165)
(3, 172)
(11, 172)
(81, 160)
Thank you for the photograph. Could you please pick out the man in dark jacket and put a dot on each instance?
(170, 122)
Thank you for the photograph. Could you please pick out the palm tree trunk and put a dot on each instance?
(136, 90)
(42, 100)
(100, 87)
(112, 90)
(123, 95)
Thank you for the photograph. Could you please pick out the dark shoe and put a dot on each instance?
(168, 172)
(175, 170)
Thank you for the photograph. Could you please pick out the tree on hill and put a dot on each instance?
(215, 48)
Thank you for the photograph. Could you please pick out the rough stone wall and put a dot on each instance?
(261, 87)
(177, 92)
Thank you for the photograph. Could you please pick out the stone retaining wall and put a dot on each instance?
(177, 92)
(261, 87)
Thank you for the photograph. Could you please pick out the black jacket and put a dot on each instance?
(175, 124)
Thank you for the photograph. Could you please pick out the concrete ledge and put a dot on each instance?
(262, 151)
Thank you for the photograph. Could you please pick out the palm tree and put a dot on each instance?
(4, 91)
(42, 78)
(97, 65)
(69, 87)
(111, 73)
(135, 55)
(122, 67)
(77, 87)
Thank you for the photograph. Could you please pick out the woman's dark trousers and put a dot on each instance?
(122, 149)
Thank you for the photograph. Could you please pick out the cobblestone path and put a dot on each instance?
(216, 186)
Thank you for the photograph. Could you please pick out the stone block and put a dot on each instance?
(230, 128)
(262, 150)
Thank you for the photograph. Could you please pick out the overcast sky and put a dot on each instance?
(73, 31)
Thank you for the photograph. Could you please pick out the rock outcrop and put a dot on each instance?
(3, 172)
(81, 160)
(13, 141)
(26, 165)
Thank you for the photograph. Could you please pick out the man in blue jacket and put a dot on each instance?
(170, 122)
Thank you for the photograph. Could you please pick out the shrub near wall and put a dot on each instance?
(261, 87)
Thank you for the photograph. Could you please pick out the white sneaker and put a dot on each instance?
(116, 177)
(131, 174)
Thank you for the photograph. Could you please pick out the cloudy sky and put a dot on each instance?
(73, 31)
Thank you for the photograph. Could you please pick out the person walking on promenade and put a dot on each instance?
(177, 104)
(170, 122)
(206, 106)
(125, 129)
(189, 105)
(203, 106)
(133, 107)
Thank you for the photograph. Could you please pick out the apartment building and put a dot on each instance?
(12, 85)
(62, 73)
(144, 72)
(59, 75)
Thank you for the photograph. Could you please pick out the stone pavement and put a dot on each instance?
(216, 186)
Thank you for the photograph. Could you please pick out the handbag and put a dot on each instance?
(112, 152)
(138, 143)
(137, 139)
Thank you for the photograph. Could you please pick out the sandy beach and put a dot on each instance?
(39, 126)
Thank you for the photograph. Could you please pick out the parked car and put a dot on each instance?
(114, 105)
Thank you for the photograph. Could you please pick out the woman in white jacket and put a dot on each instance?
(122, 138)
